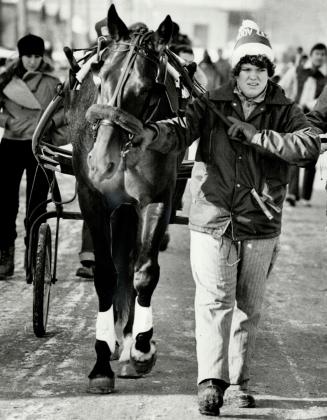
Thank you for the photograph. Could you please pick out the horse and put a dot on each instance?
(124, 193)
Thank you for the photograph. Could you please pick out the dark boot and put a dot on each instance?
(211, 396)
(239, 396)
(86, 270)
(240, 399)
(7, 259)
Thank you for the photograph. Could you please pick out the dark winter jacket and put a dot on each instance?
(228, 175)
(302, 76)
(23, 100)
(318, 116)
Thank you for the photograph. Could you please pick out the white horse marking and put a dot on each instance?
(105, 328)
(142, 320)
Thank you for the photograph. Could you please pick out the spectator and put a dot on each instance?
(26, 88)
(318, 117)
(304, 86)
(238, 188)
(298, 56)
(210, 71)
(185, 52)
(178, 39)
(86, 255)
(223, 67)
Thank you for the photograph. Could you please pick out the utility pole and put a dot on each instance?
(1, 22)
(88, 20)
(21, 18)
(70, 22)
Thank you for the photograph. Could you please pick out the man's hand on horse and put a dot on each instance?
(241, 129)
(145, 138)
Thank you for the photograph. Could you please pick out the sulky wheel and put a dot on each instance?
(42, 280)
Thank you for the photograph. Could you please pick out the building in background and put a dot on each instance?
(210, 24)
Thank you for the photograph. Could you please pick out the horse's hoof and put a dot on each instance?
(101, 385)
(128, 371)
(143, 362)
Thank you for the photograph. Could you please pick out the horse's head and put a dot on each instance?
(129, 75)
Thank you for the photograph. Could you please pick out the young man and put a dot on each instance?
(238, 187)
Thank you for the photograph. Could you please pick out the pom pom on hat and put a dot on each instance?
(251, 41)
(30, 45)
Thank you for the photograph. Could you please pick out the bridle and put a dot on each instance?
(136, 47)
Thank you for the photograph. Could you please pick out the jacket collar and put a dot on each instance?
(274, 95)
(33, 78)
(18, 91)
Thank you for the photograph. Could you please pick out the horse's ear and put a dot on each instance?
(164, 32)
(116, 27)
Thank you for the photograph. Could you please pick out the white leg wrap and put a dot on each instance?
(105, 328)
(142, 319)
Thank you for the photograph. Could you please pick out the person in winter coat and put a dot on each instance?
(304, 85)
(318, 118)
(209, 69)
(238, 187)
(26, 88)
(223, 67)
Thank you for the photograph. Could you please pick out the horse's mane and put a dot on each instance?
(77, 103)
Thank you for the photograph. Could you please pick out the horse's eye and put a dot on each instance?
(96, 80)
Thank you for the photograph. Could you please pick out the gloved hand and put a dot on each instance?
(241, 127)
(145, 138)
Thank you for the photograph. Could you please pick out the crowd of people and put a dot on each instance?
(237, 195)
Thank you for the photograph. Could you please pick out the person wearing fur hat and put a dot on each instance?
(26, 88)
(238, 186)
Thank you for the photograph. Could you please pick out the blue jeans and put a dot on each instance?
(230, 279)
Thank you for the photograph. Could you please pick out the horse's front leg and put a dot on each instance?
(101, 378)
(154, 220)
(124, 225)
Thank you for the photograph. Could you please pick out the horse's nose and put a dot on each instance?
(99, 169)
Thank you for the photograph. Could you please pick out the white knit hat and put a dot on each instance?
(251, 41)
